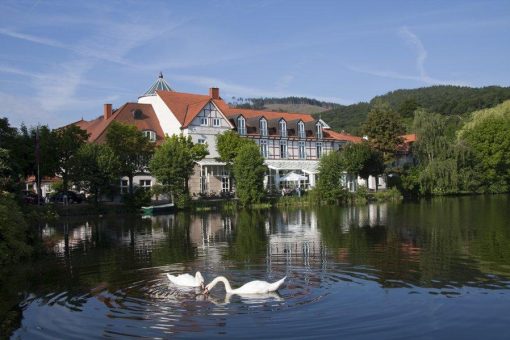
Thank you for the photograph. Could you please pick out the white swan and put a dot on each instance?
(187, 280)
(253, 287)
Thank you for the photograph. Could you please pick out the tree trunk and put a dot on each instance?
(130, 178)
(64, 181)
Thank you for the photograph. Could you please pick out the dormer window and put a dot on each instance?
(137, 114)
(263, 127)
(319, 131)
(151, 135)
(241, 126)
(283, 128)
(301, 129)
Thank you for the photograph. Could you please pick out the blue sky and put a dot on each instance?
(61, 60)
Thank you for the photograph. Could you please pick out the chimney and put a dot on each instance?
(214, 92)
(107, 111)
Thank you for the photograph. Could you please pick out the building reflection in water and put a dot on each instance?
(291, 236)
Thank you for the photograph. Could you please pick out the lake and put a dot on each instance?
(428, 269)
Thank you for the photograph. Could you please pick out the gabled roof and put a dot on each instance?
(159, 85)
(186, 106)
(125, 114)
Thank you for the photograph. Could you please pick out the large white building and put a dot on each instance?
(291, 143)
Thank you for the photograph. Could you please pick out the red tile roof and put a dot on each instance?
(186, 106)
(343, 136)
(125, 114)
(269, 115)
(409, 138)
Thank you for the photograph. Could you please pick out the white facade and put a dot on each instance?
(168, 121)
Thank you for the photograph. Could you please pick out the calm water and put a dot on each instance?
(430, 269)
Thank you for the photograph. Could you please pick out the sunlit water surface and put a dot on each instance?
(429, 269)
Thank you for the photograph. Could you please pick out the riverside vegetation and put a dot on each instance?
(469, 153)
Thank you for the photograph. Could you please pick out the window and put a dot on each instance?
(263, 127)
(201, 141)
(145, 184)
(301, 129)
(302, 150)
(137, 114)
(204, 121)
(263, 148)
(319, 150)
(216, 122)
(151, 135)
(283, 149)
(319, 131)
(225, 184)
(283, 128)
(124, 186)
(241, 126)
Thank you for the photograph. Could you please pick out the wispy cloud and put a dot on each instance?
(239, 90)
(421, 56)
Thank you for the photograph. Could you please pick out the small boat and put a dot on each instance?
(153, 209)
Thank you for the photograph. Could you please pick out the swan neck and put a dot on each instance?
(223, 279)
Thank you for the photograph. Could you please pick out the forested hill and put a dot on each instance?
(446, 100)
(288, 104)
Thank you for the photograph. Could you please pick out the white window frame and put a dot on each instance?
(302, 149)
(319, 130)
(318, 149)
(145, 184)
(216, 122)
(285, 148)
(124, 186)
(241, 126)
(263, 127)
(301, 130)
(151, 135)
(263, 148)
(204, 121)
(283, 128)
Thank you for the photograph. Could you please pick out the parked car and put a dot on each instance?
(30, 197)
(71, 196)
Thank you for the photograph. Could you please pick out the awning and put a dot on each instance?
(210, 161)
(310, 167)
(293, 177)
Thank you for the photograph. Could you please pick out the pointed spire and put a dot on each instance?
(159, 85)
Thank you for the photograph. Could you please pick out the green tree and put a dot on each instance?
(331, 171)
(228, 144)
(174, 161)
(97, 166)
(384, 129)
(249, 170)
(68, 141)
(362, 160)
(438, 171)
(487, 137)
(132, 148)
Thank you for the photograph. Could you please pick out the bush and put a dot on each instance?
(137, 199)
(13, 232)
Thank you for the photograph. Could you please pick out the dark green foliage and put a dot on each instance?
(13, 232)
(96, 168)
(384, 129)
(68, 141)
(331, 169)
(228, 144)
(443, 99)
(361, 159)
(173, 164)
(260, 103)
(249, 170)
(131, 147)
(487, 137)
